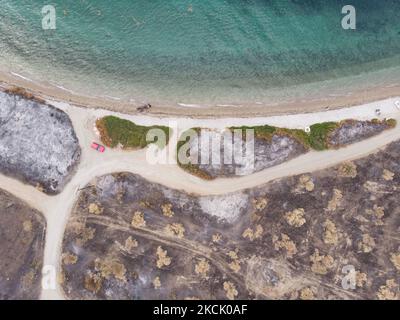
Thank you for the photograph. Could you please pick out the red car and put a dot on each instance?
(98, 147)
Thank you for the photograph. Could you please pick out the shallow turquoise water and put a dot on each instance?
(203, 51)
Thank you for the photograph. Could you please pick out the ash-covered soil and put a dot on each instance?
(244, 160)
(352, 131)
(211, 161)
(38, 144)
(22, 238)
(331, 234)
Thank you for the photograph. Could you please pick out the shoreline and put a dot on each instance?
(60, 94)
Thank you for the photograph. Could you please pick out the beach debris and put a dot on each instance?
(144, 108)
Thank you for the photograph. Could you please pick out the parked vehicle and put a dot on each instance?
(98, 147)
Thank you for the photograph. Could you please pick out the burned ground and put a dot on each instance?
(351, 131)
(331, 234)
(22, 237)
(270, 146)
(267, 153)
(38, 144)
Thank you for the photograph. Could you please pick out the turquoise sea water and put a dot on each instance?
(203, 51)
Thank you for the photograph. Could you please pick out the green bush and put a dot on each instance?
(316, 139)
(115, 131)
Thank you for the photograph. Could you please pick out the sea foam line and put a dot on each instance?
(189, 105)
(21, 76)
(63, 88)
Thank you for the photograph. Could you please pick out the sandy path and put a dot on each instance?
(56, 209)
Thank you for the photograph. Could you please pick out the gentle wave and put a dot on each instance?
(188, 105)
(21, 76)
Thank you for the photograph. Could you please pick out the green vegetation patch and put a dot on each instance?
(192, 168)
(318, 136)
(115, 131)
(316, 139)
(390, 122)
